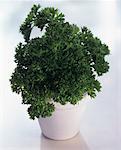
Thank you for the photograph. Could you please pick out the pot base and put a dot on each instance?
(60, 139)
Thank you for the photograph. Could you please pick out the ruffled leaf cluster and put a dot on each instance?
(62, 65)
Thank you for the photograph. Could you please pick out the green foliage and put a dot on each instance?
(62, 65)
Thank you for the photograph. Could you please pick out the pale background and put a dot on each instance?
(101, 122)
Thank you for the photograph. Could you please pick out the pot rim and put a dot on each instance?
(68, 106)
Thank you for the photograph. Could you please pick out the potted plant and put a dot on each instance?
(56, 70)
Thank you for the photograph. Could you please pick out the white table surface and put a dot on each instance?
(101, 122)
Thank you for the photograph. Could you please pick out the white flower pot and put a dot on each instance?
(64, 123)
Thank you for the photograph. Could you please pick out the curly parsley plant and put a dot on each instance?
(62, 65)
